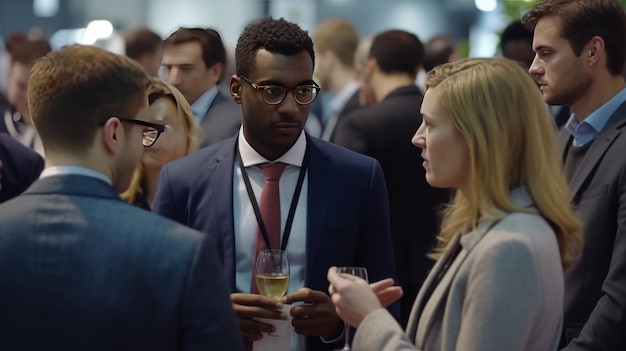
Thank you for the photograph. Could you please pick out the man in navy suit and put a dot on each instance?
(19, 167)
(337, 198)
(81, 269)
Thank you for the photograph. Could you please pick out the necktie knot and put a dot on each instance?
(273, 171)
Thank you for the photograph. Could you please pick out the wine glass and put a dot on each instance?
(360, 272)
(272, 273)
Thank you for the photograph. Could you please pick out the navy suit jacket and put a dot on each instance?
(82, 270)
(347, 218)
(21, 166)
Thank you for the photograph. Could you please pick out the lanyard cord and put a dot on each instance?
(292, 207)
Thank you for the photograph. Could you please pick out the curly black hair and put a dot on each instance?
(274, 35)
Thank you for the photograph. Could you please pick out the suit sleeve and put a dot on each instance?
(375, 249)
(208, 318)
(502, 300)
(379, 331)
(351, 135)
(605, 327)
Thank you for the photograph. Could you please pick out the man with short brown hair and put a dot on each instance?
(80, 268)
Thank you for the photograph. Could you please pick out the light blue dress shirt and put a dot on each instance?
(202, 104)
(586, 130)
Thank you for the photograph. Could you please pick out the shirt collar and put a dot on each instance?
(586, 130)
(74, 170)
(202, 104)
(250, 157)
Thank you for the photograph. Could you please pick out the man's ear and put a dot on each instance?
(111, 132)
(235, 88)
(217, 70)
(595, 49)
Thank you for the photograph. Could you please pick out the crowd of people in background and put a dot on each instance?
(486, 197)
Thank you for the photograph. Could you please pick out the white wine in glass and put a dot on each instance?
(360, 272)
(272, 273)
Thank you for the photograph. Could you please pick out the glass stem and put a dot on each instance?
(346, 331)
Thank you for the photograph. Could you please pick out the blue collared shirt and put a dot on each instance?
(586, 130)
(202, 104)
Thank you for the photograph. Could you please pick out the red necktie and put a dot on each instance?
(270, 212)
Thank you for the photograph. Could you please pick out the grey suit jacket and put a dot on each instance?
(221, 121)
(502, 292)
(82, 270)
(595, 287)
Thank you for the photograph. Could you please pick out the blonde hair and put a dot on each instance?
(158, 89)
(510, 137)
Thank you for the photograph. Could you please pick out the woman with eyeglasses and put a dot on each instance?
(181, 137)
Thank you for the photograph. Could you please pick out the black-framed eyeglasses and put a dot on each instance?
(150, 135)
(275, 94)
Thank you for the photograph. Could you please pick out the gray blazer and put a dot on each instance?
(504, 291)
(595, 287)
(82, 270)
(221, 121)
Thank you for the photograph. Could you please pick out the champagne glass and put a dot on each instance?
(272, 273)
(360, 272)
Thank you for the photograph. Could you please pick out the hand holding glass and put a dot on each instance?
(360, 272)
(272, 273)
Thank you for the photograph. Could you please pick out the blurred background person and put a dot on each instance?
(383, 131)
(335, 43)
(146, 47)
(361, 55)
(10, 42)
(438, 50)
(19, 167)
(508, 234)
(180, 137)
(16, 119)
(516, 43)
(194, 61)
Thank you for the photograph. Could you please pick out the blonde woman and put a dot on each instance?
(507, 235)
(181, 137)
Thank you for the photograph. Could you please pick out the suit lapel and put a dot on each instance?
(597, 150)
(414, 317)
(222, 173)
(440, 294)
(320, 180)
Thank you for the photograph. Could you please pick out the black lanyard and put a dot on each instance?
(292, 208)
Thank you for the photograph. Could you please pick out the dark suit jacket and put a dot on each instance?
(347, 219)
(221, 121)
(82, 270)
(21, 166)
(351, 105)
(384, 131)
(595, 288)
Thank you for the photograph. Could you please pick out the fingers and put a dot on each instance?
(305, 295)
(382, 284)
(252, 330)
(255, 300)
(389, 295)
(248, 306)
